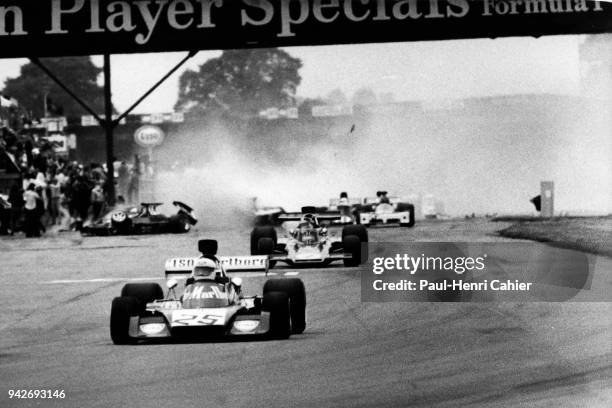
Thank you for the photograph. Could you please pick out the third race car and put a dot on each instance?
(383, 210)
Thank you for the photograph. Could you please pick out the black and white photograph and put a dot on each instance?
(306, 203)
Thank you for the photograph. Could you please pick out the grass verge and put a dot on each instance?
(587, 234)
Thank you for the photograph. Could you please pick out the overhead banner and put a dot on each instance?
(86, 27)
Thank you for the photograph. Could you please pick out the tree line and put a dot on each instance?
(238, 83)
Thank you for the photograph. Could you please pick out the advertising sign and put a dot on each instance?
(149, 136)
(88, 27)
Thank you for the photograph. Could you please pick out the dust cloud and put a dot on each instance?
(480, 156)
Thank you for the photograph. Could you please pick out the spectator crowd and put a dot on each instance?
(54, 192)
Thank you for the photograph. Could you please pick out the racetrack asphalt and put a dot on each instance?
(55, 302)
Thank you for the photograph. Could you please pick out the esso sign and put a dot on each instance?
(149, 136)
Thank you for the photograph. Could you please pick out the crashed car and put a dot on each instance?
(143, 220)
(313, 242)
(373, 212)
(211, 304)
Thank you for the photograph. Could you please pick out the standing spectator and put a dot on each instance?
(54, 200)
(5, 215)
(97, 200)
(97, 173)
(64, 203)
(40, 211)
(16, 200)
(29, 178)
(81, 196)
(133, 185)
(38, 160)
(68, 193)
(123, 179)
(62, 178)
(30, 198)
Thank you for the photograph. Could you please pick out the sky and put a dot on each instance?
(411, 71)
(423, 159)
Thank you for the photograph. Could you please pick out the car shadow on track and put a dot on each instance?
(239, 339)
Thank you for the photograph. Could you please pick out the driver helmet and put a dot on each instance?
(343, 201)
(311, 219)
(204, 268)
(383, 198)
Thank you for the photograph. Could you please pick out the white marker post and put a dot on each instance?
(547, 191)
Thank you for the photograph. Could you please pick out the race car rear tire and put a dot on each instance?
(122, 309)
(261, 232)
(143, 292)
(402, 207)
(265, 246)
(277, 303)
(296, 291)
(362, 233)
(121, 227)
(352, 245)
(179, 224)
(359, 230)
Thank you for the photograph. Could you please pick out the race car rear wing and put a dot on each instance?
(376, 200)
(184, 266)
(269, 211)
(331, 216)
(333, 202)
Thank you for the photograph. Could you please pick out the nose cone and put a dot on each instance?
(309, 252)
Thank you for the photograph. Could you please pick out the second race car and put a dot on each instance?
(314, 241)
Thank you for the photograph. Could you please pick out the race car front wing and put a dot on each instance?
(198, 324)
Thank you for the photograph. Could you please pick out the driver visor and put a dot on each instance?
(202, 271)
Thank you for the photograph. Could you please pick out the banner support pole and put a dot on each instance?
(109, 128)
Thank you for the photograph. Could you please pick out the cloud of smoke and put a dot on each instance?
(484, 158)
(489, 155)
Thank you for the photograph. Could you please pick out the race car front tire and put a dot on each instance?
(360, 232)
(403, 207)
(122, 309)
(294, 288)
(261, 232)
(352, 245)
(277, 304)
(143, 292)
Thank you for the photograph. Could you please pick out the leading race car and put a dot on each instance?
(310, 242)
(211, 305)
(143, 220)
